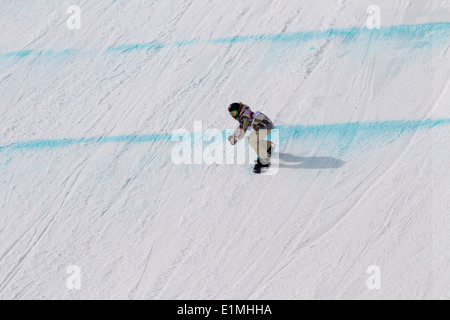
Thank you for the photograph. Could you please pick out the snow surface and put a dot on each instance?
(87, 179)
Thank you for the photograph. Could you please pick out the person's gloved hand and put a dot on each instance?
(232, 140)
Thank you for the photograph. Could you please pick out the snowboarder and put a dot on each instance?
(259, 126)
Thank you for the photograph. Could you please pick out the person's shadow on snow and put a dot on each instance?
(291, 161)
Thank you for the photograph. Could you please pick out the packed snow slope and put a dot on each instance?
(87, 176)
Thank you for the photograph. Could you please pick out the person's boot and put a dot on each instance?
(271, 147)
(260, 165)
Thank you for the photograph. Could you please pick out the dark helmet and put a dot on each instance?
(235, 109)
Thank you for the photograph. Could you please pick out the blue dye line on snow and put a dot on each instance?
(154, 45)
(439, 33)
(367, 130)
(346, 132)
(59, 143)
(436, 31)
(26, 53)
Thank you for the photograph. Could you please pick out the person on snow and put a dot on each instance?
(259, 126)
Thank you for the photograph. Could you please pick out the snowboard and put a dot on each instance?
(258, 169)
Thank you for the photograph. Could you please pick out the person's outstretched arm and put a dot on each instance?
(239, 133)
